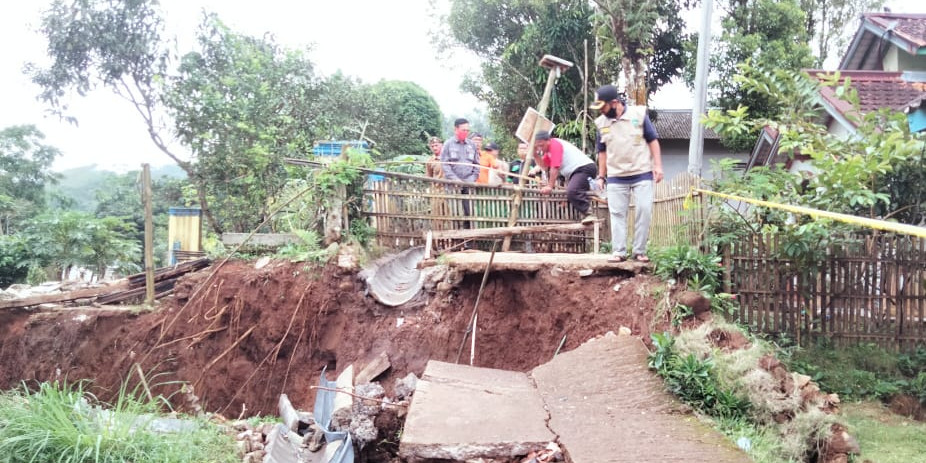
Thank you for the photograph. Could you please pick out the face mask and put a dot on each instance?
(461, 135)
(612, 113)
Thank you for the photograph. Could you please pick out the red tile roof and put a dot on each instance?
(880, 30)
(910, 27)
(876, 89)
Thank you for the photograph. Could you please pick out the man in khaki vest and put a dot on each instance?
(630, 162)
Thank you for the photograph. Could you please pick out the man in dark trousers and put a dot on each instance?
(564, 158)
(460, 160)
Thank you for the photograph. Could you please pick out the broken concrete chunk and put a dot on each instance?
(343, 401)
(463, 413)
(405, 387)
(624, 331)
(373, 369)
(262, 262)
(586, 272)
(363, 431)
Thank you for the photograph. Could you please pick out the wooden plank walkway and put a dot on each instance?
(476, 261)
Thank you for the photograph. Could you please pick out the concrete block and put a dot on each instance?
(373, 369)
(465, 413)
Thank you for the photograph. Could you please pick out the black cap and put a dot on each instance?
(606, 94)
(460, 122)
(491, 146)
(542, 135)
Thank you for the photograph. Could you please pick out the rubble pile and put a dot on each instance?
(299, 438)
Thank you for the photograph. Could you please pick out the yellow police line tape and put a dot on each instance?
(905, 229)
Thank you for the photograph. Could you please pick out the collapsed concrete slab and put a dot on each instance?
(606, 406)
(461, 413)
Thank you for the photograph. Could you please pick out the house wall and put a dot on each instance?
(675, 157)
(835, 128)
(896, 60)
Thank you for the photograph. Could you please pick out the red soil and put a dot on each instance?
(241, 336)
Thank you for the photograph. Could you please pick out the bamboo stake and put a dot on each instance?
(485, 277)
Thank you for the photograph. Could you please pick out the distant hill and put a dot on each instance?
(81, 183)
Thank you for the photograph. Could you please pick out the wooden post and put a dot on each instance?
(541, 110)
(149, 234)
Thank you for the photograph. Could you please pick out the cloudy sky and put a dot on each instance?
(369, 39)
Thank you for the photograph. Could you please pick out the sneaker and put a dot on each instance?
(589, 218)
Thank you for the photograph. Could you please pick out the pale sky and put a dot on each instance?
(368, 39)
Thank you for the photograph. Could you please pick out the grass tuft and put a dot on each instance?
(64, 423)
(883, 436)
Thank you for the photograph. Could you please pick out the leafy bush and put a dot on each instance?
(686, 264)
(308, 249)
(911, 364)
(64, 423)
(694, 380)
(864, 371)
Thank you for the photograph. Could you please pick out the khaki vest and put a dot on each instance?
(628, 152)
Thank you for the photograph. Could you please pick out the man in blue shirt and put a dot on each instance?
(460, 160)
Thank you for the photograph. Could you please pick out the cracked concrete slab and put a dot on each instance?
(460, 413)
(606, 406)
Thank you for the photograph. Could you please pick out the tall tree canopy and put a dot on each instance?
(511, 37)
(25, 170)
(647, 37)
(769, 34)
(827, 23)
(242, 104)
(401, 117)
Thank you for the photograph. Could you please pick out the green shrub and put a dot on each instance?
(911, 364)
(864, 371)
(687, 265)
(694, 379)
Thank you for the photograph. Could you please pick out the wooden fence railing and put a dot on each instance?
(870, 289)
(403, 207)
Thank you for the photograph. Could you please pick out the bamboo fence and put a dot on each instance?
(403, 207)
(867, 289)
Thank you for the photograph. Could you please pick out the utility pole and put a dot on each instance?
(696, 145)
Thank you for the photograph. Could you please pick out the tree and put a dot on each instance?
(114, 44)
(67, 239)
(769, 34)
(401, 117)
(647, 37)
(512, 36)
(242, 104)
(25, 170)
(826, 23)
(111, 43)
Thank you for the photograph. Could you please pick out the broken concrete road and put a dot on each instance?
(604, 406)
(462, 413)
